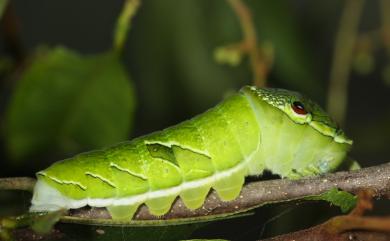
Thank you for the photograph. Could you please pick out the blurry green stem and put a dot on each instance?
(129, 9)
(17, 183)
(259, 67)
(342, 59)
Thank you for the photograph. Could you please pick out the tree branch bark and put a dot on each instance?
(17, 183)
(376, 178)
(259, 193)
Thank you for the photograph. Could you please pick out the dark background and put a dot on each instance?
(169, 58)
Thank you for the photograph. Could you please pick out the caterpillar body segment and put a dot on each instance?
(253, 130)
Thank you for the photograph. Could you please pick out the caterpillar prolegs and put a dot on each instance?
(251, 131)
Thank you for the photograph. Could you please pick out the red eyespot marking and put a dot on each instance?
(298, 108)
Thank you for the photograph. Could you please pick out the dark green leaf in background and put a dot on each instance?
(69, 103)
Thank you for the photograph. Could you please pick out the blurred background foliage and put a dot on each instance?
(64, 89)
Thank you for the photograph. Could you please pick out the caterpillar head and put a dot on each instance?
(305, 122)
(302, 110)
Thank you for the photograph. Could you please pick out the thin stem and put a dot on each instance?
(245, 17)
(345, 223)
(350, 228)
(123, 23)
(342, 59)
(17, 183)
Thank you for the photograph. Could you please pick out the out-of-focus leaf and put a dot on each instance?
(67, 102)
(345, 200)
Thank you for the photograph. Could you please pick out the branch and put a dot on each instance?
(316, 233)
(376, 178)
(259, 193)
(17, 183)
(346, 227)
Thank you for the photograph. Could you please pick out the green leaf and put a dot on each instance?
(67, 102)
(345, 200)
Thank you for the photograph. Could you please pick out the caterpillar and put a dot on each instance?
(253, 130)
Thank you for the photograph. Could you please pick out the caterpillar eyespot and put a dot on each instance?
(249, 132)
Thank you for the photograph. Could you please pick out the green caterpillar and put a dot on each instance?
(252, 130)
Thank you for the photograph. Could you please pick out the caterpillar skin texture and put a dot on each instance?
(252, 130)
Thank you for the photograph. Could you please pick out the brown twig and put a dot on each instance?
(252, 195)
(364, 202)
(342, 59)
(17, 183)
(316, 233)
(376, 178)
(346, 227)
(258, 66)
(341, 224)
(355, 221)
(259, 193)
